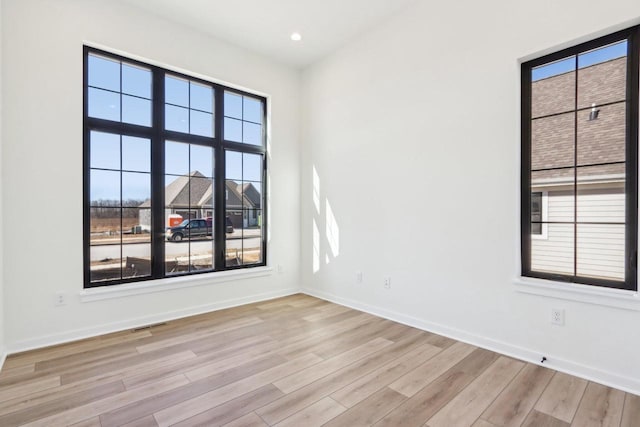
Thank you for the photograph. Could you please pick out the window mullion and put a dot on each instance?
(631, 146)
(575, 170)
(157, 177)
(219, 205)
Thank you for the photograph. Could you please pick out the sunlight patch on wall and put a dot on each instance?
(316, 247)
(333, 231)
(316, 190)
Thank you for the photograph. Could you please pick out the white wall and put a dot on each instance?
(42, 164)
(2, 349)
(414, 131)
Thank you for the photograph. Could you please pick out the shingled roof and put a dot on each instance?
(179, 194)
(553, 126)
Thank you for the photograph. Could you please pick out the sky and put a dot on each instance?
(606, 53)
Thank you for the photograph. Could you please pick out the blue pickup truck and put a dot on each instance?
(194, 228)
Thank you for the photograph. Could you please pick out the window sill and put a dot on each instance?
(627, 300)
(172, 283)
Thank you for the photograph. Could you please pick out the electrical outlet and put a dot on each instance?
(280, 269)
(387, 282)
(557, 316)
(358, 276)
(60, 298)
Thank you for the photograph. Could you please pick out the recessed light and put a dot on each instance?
(296, 37)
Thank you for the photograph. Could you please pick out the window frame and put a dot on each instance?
(158, 135)
(632, 35)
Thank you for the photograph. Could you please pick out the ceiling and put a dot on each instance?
(265, 26)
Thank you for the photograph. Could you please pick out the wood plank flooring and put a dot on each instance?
(297, 362)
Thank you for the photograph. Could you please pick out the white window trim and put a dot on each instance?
(545, 217)
(609, 297)
(170, 283)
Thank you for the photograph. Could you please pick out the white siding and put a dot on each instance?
(600, 247)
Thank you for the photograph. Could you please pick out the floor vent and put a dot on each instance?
(142, 328)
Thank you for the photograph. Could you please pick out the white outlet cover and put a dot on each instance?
(59, 298)
(557, 316)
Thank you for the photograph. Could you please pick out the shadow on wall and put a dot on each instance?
(332, 230)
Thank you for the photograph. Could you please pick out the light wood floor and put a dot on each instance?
(296, 361)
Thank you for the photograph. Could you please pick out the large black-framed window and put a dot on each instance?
(579, 146)
(174, 171)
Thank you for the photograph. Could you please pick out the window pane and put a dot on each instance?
(560, 188)
(201, 256)
(201, 190)
(601, 193)
(144, 217)
(536, 228)
(553, 88)
(104, 104)
(252, 193)
(136, 81)
(202, 159)
(536, 213)
(104, 73)
(603, 54)
(554, 254)
(555, 68)
(600, 251)
(200, 235)
(252, 237)
(251, 133)
(176, 254)
(232, 105)
(134, 226)
(552, 141)
(205, 205)
(252, 167)
(136, 111)
(176, 91)
(104, 226)
(201, 97)
(233, 195)
(176, 118)
(104, 254)
(176, 157)
(605, 80)
(136, 154)
(105, 262)
(136, 188)
(137, 260)
(201, 123)
(105, 150)
(105, 188)
(252, 110)
(232, 130)
(233, 165)
(233, 251)
(176, 194)
(601, 135)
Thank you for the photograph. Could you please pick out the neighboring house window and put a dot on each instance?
(579, 151)
(536, 213)
(172, 163)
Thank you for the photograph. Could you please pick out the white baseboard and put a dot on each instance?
(78, 334)
(532, 356)
(3, 357)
